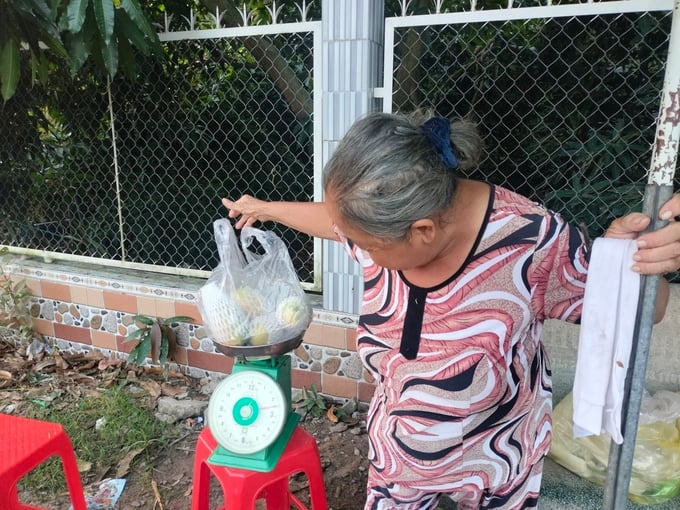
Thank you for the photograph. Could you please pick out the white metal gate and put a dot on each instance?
(659, 175)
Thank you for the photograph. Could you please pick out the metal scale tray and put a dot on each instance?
(246, 352)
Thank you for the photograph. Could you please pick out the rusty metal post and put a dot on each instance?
(659, 189)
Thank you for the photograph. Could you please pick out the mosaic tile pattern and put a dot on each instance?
(76, 325)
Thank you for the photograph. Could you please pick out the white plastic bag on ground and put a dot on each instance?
(655, 475)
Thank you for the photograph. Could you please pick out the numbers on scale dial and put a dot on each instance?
(247, 412)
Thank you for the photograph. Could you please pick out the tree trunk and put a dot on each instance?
(406, 94)
(270, 60)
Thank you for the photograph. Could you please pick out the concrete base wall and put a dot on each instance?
(84, 307)
(80, 308)
(663, 367)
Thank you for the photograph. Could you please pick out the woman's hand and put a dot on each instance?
(658, 251)
(308, 217)
(247, 209)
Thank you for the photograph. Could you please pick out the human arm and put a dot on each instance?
(658, 251)
(308, 217)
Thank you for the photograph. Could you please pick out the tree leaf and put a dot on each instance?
(38, 26)
(142, 350)
(6, 28)
(124, 464)
(179, 318)
(34, 62)
(78, 50)
(126, 58)
(127, 30)
(55, 44)
(148, 321)
(330, 414)
(105, 14)
(54, 7)
(10, 69)
(151, 387)
(75, 15)
(165, 349)
(35, 8)
(29, 29)
(135, 335)
(132, 9)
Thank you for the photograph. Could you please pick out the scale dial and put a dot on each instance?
(247, 411)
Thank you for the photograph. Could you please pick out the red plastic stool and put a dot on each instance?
(24, 444)
(243, 488)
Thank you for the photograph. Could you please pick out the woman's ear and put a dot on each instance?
(423, 231)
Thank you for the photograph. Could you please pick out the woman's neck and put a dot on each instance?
(460, 227)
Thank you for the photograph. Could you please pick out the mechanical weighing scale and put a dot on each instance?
(250, 413)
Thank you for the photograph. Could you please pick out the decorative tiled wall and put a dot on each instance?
(81, 307)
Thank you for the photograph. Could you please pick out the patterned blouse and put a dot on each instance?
(463, 386)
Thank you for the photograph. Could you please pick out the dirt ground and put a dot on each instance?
(165, 483)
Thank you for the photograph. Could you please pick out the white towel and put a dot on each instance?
(607, 323)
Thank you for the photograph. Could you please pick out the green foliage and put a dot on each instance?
(128, 429)
(111, 33)
(591, 161)
(340, 413)
(155, 338)
(15, 298)
(9, 62)
(567, 108)
(51, 144)
(607, 175)
(175, 160)
(266, 151)
(32, 22)
(312, 403)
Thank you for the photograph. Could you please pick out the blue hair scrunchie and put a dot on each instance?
(438, 131)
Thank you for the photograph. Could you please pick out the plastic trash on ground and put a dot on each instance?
(103, 495)
(655, 475)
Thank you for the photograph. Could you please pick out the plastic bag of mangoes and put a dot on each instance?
(253, 297)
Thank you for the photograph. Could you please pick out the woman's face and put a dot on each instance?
(402, 254)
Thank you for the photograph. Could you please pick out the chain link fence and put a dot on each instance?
(142, 182)
(567, 106)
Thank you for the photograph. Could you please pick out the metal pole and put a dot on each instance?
(659, 189)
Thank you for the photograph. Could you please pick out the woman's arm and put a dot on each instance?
(308, 217)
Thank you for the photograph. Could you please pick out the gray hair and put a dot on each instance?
(386, 174)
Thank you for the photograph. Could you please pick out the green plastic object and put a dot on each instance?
(263, 461)
(279, 369)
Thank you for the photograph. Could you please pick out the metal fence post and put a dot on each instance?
(659, 189)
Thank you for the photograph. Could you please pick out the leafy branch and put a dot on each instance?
(15, 298)
(156, 339)
(109, 32)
